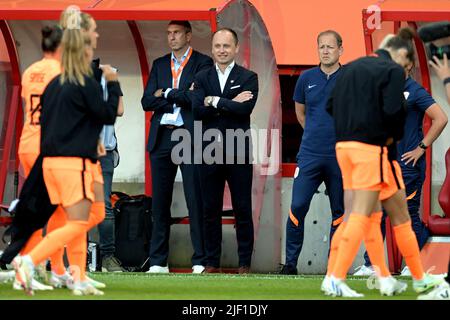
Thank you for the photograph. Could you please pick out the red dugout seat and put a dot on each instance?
(441, 225)
(436, 252)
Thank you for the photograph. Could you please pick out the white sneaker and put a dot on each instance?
(85, 289)
(429, 281)
(6, 276)
(405, 272)
(158, 269)
(338, 288)
(24, 272)
(61, 281)
(197, 269)
(441, 292)
(390, 286)
(96, 284)
(35, 285)
(363, 271)
(325, 287)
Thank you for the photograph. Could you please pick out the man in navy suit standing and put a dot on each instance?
(223, 98)
(167, 94)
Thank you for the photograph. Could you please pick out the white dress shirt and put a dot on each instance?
(175, 118)
(223, 77)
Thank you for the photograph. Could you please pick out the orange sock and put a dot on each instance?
(407, 244)
(35, 238)
(97, 214)
(57, 220)
(77, 248)
(76, 252)
(334, 246)
(375, 246)
(57, 239)
(357, 226)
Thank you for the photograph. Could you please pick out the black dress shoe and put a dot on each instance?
(210, 269)
(288, 270)
(244, 270)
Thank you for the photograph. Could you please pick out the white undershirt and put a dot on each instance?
(223, 77)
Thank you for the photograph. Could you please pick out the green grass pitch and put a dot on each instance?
(141, 286)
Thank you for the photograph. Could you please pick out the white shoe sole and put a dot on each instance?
(22, 279)
(197, 272)
(7, 276)
(394, 292)
(158, 272)
(18, 286)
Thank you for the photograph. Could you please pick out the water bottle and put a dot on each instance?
(92, 257)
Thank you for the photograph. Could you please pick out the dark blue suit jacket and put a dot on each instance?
(228, 114)
(161, 78)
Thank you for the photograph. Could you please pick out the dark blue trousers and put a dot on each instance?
(212, 181)
(413, 178)
(106, 228)
(163, 177)
(312, 171)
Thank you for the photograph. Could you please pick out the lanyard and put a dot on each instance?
(176, 74)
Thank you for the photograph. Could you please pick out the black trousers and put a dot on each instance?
(163, 177)
(239, 178)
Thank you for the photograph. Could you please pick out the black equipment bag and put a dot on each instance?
(133, 230)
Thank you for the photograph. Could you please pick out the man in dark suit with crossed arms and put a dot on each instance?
(167, 94)
(223, 98)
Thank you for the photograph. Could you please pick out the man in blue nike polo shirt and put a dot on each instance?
(316, 160)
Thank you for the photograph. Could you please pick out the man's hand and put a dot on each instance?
(243, 96)
(389, 141)
(158, 93)
(442, 69)
(413, 155)
(101, 151)
(109, 73)
(207, 102)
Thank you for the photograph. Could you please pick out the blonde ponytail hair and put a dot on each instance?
(74, 60)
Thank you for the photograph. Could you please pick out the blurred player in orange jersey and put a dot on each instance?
(34, 81)
(59, 277)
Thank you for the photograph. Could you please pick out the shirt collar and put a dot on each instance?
(183, 57)
(331, 74)
(227, 69)
(382, 53)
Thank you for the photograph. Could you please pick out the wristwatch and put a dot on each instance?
(422, 145)
(209, 101)
(446, 80)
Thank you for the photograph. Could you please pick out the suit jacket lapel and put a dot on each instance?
(231, 81)
(214, 81)
(167, 80)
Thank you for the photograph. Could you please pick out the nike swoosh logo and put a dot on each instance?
(309, 87)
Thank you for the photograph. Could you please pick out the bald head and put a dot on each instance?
(225, 46)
